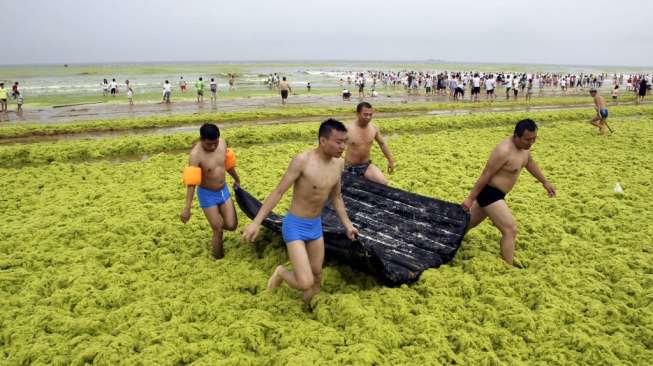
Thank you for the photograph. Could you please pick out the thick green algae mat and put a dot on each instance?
(96, 268)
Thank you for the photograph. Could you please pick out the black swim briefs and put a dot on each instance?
(489, 195)
(358, 169)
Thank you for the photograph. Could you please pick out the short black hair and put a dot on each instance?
(209, 131)
(329, 125)
(525, 124)
(362, 105)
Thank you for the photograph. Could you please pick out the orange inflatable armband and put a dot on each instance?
(192, 175)
(229, 159)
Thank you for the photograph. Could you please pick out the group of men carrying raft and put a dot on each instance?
(316, 177)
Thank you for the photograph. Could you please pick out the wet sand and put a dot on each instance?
(47, 115)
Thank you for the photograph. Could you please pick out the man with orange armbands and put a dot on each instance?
(208, 161)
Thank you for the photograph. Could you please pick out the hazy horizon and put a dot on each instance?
(558, 32)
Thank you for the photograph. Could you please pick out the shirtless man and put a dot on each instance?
(315, 177)
(284, 88)
(213, 195)
(499, 176)
(361, 135)
(601, 111)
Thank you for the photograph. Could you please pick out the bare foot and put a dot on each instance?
(517, 263)
(275, 279)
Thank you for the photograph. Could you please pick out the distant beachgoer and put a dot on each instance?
(167, 90)
(284, 88)
(199, 85)
(498, 178)
(508, 85)
(476, 87)
(232, 82)
(601, 111)
(615, 94)
(113, 87)
(308, 86)
(489, 88)
(19, 102)
(182, 84)
(105, 87)
(642, 90)
(214, 90)
(3, 98)
(360, 137)
(361, 86)
(130, 95)
(14, 90)
(529, 90)
(346, 94)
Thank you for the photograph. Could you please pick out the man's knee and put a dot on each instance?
(231, 224)
(305, 281)
(217, 227)
(509, 230)
(374, 174)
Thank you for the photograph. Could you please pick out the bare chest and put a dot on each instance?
(516, 162)
(358, 138)
(320, 178)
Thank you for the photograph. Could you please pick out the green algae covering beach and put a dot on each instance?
(95, 267)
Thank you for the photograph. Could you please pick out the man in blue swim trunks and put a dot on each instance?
(601, 111)
(315, 177)
(212, 193)
(498, 178)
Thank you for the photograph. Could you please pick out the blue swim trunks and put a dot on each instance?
(209, 198)
(299, 228)
(604, 113)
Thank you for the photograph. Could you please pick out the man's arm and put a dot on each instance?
(341, 211)
(384, 148)
(234, 175)
(289, 178)
(497, 159)
(193, 160)
(535, 171)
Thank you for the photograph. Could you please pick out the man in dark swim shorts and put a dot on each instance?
(503, 167)
(361, 136)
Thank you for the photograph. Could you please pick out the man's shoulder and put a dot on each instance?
(504, 147)
(302, 157)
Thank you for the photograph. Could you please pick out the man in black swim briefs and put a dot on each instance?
(499, 176)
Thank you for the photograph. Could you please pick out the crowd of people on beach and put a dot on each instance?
(454, 85)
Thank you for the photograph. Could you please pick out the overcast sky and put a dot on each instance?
(598, 32)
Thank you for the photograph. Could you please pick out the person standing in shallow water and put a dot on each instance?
(499, 176)
(284, 88)
(199, 85)
(3, 98)
(213, 195)
(315, 177)
(167, 90)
